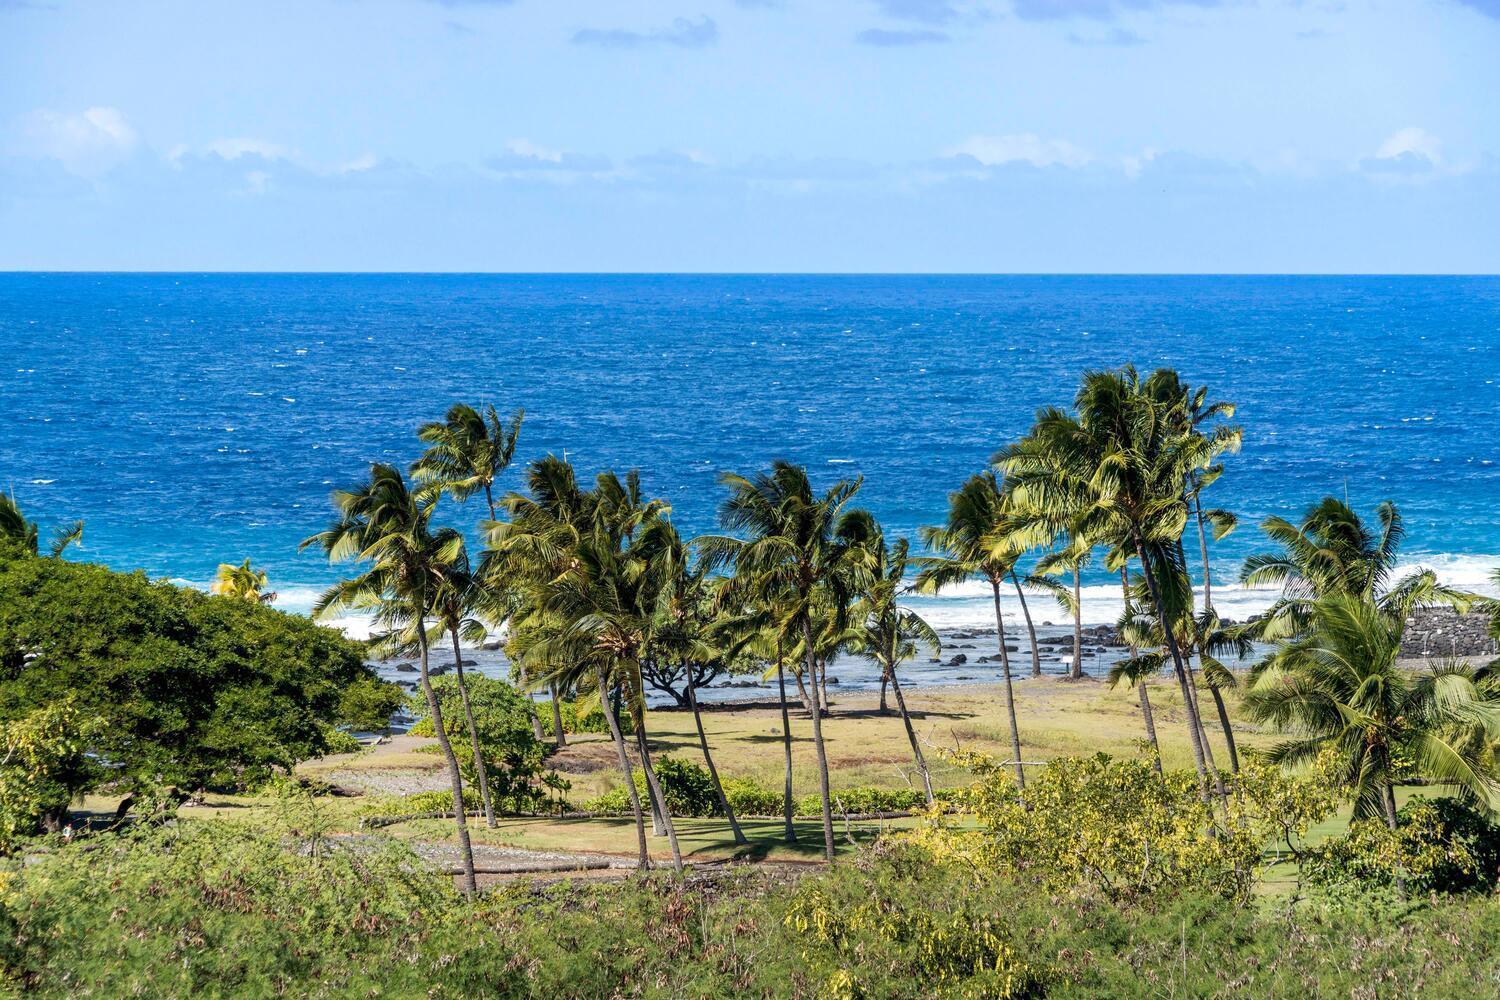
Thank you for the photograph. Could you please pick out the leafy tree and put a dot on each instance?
(508, 750)
(1337, 688)
(368, 704)
(388, 526)
(241, 583)
(46, 763)
(193, 691)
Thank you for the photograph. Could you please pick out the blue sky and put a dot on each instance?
(751, 135)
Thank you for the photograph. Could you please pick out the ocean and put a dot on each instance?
(193, 419)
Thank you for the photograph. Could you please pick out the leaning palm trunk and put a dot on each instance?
(1208, 747)
(1010, 698)
(823, 682)
(635, 799)
(885, 681)
(1234, 757)
(807, 701)
(708, 758)
(1077, 670)
(559, 738)
(536, 720)
(1036, 653)
(817, 717)
(786, 743)
(911, 735)
(479, 768)
(1145, 694)
(465, 851)
(1195, 728)
(654, 787)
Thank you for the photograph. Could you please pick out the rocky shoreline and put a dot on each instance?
(1434, 633)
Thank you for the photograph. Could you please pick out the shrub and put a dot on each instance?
(1118, 828)
(1437, 846)
(748, 797)
(512, 753)
(580, 717)
(688, 789)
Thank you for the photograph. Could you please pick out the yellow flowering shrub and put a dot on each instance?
(1116, 827)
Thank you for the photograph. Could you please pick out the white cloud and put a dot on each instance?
(1411, 142)
(89, 143)
(233, 149)
(531, 151)
(996, 150)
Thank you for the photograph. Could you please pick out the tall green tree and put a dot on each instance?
(1332, 552)
(965, 548)
(1337, 688)
(803, 550)
(1118, 470)
(468, 451)
(889, 634)
(387, 526)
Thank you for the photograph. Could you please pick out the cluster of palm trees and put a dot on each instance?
(596, 591)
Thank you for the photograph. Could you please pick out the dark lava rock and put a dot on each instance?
(405, 668)
(958, 660)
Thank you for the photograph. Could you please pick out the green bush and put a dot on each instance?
(580, 717)
(749, 798)
(860, 801)
(512, 753)
(1438, 846)
(338, 741)
(688, 789)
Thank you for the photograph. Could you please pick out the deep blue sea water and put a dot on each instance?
(195, 419)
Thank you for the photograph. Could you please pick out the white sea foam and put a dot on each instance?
(971, 605)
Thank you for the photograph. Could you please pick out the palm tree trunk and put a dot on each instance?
(1141, 687)
(713, 772)
(1195, 729)
(536, 720)
(1150, 725)
(1077, 671)
(635, 799)
(786, 743)
(1036, 654)
(1234, 757)
(654, 787)
(1208, 586)
(1208, 747)
(807, 701)
(465, 851)
(1010, 698)
(885, 680)
(817, 717)
(823, 681)
(559, 738)
(911, 735)
(479, 768)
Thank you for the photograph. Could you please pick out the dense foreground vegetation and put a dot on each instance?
(216, 910)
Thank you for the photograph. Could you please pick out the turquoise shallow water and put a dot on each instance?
(194, 419)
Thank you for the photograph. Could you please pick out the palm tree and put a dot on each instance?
(965, 552)
(456, 600)
(1337, 688)
(805, 552)
(1332, 552)
(1118, 473)
(1194, 414)
(468, 451)
(241, 583)
(387, 525)
(606, 602)
(15, 527)
(889, 633)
